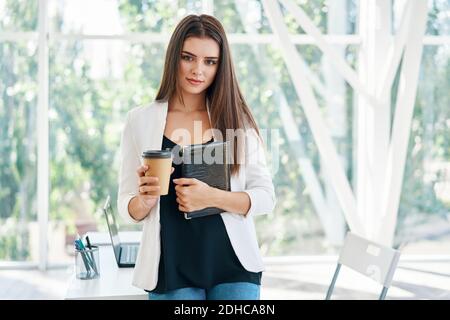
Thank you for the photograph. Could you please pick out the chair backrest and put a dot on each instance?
(371, 259)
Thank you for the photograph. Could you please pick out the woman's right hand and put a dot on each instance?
(149, 188)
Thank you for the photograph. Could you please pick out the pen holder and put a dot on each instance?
(87, 263)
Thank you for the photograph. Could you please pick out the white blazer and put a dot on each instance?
(144, 130)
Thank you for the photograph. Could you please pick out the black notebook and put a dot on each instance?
(208, 163)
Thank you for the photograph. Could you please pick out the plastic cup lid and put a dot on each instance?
(157, 154)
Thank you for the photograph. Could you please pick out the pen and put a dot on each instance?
(92, 254)
(88, 243)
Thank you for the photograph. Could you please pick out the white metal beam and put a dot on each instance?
(401, 129)
(149, 37)
(313, 114)
(42, 134)
(394, 54)
(18, 36)
(336, 117)
(373, 123)
(300, 39)
(436, 40)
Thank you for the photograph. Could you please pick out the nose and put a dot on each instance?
(197, 69)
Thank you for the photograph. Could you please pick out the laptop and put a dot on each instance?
(125, 253)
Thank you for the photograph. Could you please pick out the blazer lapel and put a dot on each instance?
(163, 118)
(150, 127)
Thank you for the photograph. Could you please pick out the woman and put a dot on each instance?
(213, 257)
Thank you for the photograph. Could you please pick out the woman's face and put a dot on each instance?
(199, 61)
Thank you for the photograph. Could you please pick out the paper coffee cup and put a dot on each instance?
(159, 164)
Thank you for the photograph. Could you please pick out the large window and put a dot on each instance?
(92, 86)
(106, 57)
(424, 215)
(18, 100)
(18, 149)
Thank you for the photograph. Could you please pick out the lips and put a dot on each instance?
(194, 81)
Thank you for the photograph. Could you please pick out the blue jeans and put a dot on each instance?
(223, 291)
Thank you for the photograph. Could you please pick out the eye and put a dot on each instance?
(186, 57)
(211, 62)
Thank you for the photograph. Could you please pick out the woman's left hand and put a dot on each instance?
(192, 194)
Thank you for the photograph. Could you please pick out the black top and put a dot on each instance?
(196, 252)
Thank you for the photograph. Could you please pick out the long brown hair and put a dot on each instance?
(227, 105)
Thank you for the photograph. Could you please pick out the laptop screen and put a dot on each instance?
(112, 226)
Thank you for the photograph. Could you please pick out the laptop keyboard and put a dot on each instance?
(129, 254)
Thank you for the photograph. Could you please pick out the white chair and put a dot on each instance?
(368, 258)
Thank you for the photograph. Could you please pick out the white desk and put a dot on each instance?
(103, 238)
(113, 283)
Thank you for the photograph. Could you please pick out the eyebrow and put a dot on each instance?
(196, 56)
